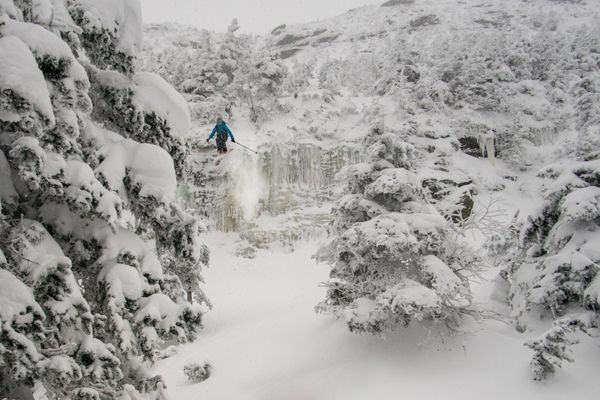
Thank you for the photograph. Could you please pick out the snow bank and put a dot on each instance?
(20, 73)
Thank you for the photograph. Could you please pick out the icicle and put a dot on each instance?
(275, 182)
(486, 145)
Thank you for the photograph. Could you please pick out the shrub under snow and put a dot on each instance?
(556, 271)
(390, 249)
(196, 372)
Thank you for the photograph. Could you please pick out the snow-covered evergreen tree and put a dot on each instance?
(390, 254)
(216, 73)
(99, 265)
(556, 272)
(259, 82)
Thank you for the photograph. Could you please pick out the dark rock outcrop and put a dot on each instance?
(288, 53)
(278, 29)
(392, 3)
(424, 21)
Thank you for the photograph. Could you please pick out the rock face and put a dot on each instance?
(277, 30)
(289, 39)
(284, 54)
(424, 21)
(470, 145)
(289, 44)
(392, 3)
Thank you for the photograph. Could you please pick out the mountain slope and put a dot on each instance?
(513, 80)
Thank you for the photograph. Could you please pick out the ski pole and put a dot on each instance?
(247, 148)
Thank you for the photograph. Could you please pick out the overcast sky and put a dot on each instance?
(256, 16)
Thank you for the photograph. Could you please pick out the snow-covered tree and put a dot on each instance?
(259, 82)
(298, 78)
(389, 251)
(99, 265)
(556, 272)
(232, 53)
(218, 72)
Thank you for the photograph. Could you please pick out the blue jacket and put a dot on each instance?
(221, 127)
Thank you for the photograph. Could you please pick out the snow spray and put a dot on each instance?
(248, 186)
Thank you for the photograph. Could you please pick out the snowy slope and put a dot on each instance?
(338, 117)
(363, 29)
(264, 342)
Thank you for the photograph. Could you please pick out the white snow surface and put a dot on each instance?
(152, 94)
(41, 11)
(124, 17)
(155, 95)
(15, 297)
(8, 6)
(444, 280)
(265, 342)
(84, 187)
(582, 204)
(67, 223)
(20, 73)
(410, 296)
(149, 166)
(42, 257)
(60, 17)
(125, 239)
(44, 43)
(124, 282)
(40, 40)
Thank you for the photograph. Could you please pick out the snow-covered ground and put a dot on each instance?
(265, 342)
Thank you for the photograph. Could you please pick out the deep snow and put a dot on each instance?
(265, 342)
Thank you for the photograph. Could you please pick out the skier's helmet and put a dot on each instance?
(219, 120)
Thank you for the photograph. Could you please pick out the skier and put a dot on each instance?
(222, 131)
